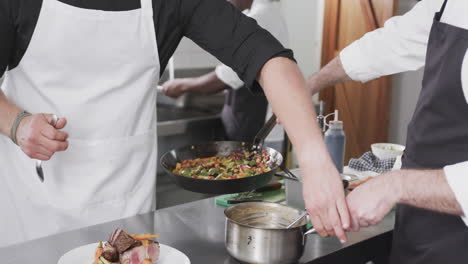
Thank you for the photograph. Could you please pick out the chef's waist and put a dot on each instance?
(108, 132)
(106, 123)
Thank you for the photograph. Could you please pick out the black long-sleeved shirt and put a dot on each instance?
(215, 25)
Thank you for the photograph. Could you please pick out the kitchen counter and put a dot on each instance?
(197, 229)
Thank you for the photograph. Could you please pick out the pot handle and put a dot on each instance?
(308, 232)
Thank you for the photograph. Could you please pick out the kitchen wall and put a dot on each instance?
(305, 21)
(405, 91)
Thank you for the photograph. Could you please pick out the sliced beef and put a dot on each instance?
(121, 240)
(136, 244)
(137, 254)
(118, 262)
(110, 253)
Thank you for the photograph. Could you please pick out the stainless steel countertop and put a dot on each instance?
(197, 229)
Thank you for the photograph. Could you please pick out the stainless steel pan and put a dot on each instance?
(256, 233)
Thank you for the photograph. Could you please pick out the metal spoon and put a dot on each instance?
(310, 231)
(40, 172)
(297, 220)
(259, 139)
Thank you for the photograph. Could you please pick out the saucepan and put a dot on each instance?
(256, 233)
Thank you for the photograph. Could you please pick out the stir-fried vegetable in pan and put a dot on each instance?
(234, 166)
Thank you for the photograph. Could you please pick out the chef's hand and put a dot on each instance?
(370, 202)
(325, 201)
(39, 139)
(177, 87)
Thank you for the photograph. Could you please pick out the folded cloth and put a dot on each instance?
(369, 162)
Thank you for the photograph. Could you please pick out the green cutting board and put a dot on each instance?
(274, 196)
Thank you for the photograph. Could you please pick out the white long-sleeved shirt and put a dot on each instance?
(401, 46)
(268, 15)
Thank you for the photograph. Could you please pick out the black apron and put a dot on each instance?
(243, 114)
(437, 136)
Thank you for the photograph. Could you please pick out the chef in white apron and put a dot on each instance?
(108, 170)
(94, 64)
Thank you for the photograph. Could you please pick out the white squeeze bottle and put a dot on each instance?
(335, 139)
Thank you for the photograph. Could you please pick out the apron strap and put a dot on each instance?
(441, 12)
(147, 7)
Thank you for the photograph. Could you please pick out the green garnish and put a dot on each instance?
(103, 260)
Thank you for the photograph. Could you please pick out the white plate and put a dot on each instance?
(85, 255)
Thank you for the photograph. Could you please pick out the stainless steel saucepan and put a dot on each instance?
(256, 232)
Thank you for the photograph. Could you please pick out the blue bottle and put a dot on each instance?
(335, 139)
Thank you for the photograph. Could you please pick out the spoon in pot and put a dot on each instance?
(40, 172)
(291, 225)
(297, 220)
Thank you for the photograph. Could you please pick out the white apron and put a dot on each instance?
(98, 70)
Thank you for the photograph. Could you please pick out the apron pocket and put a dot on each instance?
(107, 171)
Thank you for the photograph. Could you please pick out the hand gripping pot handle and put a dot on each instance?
(308, 232)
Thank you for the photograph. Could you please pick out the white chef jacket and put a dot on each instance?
(269, 16)
(401, 46)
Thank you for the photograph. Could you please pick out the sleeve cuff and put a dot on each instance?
(229, 77)
(356, 64)
(255, 68)
(458, 182)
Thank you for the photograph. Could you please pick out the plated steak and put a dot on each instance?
(123, 248)
(110, 253)
(137, 254)
(121, 240)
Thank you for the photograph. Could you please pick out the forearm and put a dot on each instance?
(285, 89)
(333, 73)
(206, 84)
(8, 112)
(427, 189)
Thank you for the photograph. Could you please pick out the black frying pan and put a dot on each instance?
(223, 148)
(220, 148)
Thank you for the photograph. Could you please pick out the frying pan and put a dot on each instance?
(223, 148)
(219, 148)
